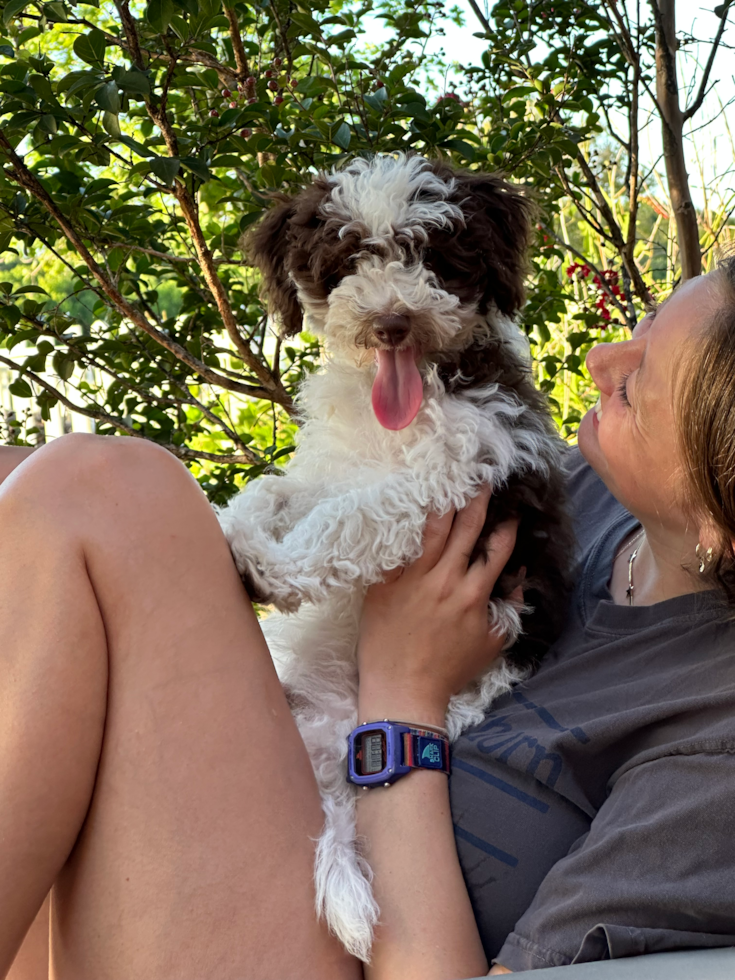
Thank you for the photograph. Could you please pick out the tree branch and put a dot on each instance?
(190, 211)
(99, 415)
(27, 180)
(237, 46)
(481, 17)
(696, 105)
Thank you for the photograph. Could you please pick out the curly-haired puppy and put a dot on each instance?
(412, 273)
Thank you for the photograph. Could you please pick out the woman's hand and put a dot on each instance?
(425, 633)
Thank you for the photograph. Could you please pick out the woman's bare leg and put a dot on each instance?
(149, 765)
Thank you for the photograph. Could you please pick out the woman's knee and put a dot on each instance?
(87, 474)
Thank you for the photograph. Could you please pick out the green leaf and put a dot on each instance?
(42, 87)
(20, 388)
(138, 148)
(55, 12)
(13, 8)
(108, 98)
(111, 123)
(63, 365)
(134, 82)
(166, 168)
(11, 314)
(342, 136)
(180, 27)
(159, 13)
(47, 124)
(248, 219)
(198, 168)
(374, 102)
(91, 47)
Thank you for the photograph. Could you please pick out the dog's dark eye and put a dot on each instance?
(440, 265)
(331, 281)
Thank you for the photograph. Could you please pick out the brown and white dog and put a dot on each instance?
(413, 275)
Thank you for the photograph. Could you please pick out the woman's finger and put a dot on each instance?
(500, 545)
(436, 532)
(467, 527)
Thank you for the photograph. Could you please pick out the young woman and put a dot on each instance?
(151, 773)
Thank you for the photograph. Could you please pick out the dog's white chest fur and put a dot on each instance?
(351, 506)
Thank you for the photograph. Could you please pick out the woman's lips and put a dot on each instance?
(597, 409)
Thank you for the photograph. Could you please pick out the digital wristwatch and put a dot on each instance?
(383, 751)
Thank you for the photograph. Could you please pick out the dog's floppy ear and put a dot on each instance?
(498, 218)
(268, 247)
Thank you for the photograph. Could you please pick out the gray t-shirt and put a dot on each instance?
(594, 807)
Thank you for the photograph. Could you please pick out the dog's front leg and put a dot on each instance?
(347, 541)
(255, 523)
(294, 543)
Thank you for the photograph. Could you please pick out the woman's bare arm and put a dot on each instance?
(423, 636)
(12, 456)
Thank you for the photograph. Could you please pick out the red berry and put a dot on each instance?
(246, 133)
(605, 314)
(615, 290)
(277, 62)
(226, 93)
(251, 81)
(379, 84)
(278, 100)
(250, 101)
(214, 113)
(269, 74)
(571, 269)
(273, 86)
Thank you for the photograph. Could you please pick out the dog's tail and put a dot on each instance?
(344, 896)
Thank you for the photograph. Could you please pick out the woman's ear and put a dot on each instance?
(268, 247)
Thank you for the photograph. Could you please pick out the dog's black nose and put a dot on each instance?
(392, 328)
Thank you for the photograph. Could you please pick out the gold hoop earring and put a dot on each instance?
(705, 558)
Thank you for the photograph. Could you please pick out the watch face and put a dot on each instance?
(371, 753)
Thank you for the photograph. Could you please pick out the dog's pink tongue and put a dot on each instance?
(398, 389)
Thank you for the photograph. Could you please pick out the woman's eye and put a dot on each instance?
(623, 390)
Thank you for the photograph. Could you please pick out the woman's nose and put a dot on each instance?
(608, 362)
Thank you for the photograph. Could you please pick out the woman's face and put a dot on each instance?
(629, 439)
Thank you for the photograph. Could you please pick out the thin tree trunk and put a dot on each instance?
(672, 129)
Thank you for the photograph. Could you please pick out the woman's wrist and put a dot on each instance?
(376, 702)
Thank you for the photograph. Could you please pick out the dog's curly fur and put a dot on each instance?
(445, 251)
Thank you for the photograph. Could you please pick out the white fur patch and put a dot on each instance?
(389, 195)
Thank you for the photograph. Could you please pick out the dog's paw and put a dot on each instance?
(505, 619)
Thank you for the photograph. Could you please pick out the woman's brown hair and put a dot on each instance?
(706, 410)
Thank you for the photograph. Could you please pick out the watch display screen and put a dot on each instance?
(372, 753)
